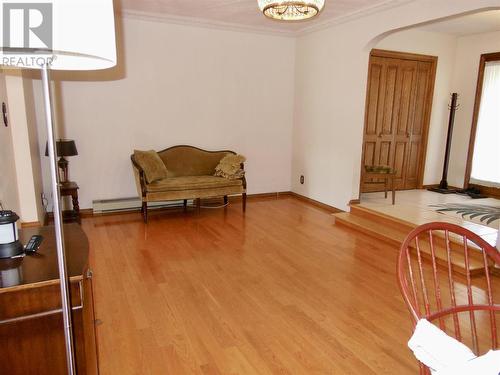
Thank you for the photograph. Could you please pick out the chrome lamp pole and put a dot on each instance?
(71, 35)
(61, 253)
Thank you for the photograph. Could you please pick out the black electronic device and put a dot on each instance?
(33, 244)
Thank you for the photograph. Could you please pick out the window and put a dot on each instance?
(484, 150)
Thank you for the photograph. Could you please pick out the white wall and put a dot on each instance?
(9, 196)
(181, 85)
(34, 92)
(469, 51)
(34, 150)
(224, 89)
(443, 46)
(331, 75)
(24, 150)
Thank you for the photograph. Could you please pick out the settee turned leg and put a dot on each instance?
(198, 205)
(225, 200)
(244, 201)
(185, 205)
(144, 211)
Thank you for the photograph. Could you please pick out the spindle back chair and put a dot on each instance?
(433, 290)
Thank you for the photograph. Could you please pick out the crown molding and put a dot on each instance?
(386, 5)
(218, 25)
(205, 23)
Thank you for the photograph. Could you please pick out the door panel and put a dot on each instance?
(376, 74)
(407, 82)
(390, 91)
(399, 161)
(385, 153)
(370, 153)
(416, 134)
(412, 171)
(399, 99)
(423, 75)
(405, 119)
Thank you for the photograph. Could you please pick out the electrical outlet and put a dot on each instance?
(302, 179)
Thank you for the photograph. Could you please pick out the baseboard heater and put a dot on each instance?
(129, 204)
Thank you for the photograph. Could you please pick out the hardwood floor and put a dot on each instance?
(279, 290)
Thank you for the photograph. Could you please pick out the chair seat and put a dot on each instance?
(191, 183)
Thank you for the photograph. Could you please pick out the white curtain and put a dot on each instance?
(486, 159)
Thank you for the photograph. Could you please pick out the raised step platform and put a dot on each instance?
(393, 231)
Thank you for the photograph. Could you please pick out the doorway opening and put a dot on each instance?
(483, 162)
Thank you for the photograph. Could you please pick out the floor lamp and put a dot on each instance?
(69, 35)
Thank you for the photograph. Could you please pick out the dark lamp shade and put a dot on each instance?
(65, 147)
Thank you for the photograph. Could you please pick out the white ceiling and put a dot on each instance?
(470, 24)
(245, 13)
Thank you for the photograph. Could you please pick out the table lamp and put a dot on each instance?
(58, 35)
(64, 147)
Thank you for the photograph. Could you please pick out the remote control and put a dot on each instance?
(33, 244)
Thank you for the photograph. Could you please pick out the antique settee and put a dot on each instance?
(190, 175)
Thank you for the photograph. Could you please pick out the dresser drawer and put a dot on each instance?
(30, 302)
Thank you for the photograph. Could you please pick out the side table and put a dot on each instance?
(70, 188)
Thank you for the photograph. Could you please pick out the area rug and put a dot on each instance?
(483, 214)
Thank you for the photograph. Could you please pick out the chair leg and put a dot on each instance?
(244, 201)
(198, 204)
(225, 199)
(145, 211)
(185, 205)
(393, 187)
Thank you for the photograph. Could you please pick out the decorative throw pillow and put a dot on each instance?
(230, 167)
(151, 164)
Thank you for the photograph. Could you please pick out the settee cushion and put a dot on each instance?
(230, 167)
(153, 167)
(191, 183)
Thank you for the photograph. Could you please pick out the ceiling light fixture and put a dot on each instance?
(291, 10)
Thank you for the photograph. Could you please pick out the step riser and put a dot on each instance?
(382, 219)
(439, 245)
(378, 235)
(439, 241)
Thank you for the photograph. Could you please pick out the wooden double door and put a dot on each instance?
(399, 101)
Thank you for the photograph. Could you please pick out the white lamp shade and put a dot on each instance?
(72, 34)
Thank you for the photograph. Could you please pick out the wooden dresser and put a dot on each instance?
(31, 326)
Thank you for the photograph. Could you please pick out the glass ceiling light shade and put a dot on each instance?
(291, 10)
